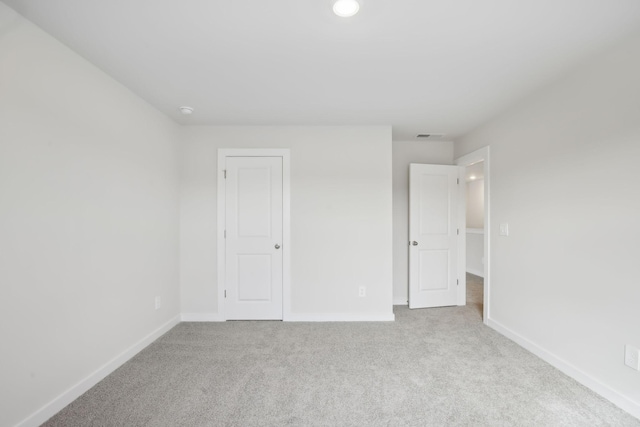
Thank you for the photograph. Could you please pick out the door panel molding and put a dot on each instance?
(223, 154)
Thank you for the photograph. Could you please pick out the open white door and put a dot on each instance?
(433, 234)
(254, 231)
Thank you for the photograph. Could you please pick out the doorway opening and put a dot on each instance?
(474, 268)
(478, 237)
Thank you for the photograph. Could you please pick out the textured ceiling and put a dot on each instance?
(439, 66)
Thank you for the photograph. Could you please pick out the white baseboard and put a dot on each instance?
(201, 317)
(341, 317)
(57, 404)
(622, 401)
(400, 301)
(475, 272)
(316, 317)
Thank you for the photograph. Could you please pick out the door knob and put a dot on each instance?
(414, 243)
(277, 246)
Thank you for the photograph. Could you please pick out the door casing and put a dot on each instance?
(284, 153)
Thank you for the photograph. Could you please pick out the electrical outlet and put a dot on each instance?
(158, 303)
(504, 229)
(362, 291)
(632, 357)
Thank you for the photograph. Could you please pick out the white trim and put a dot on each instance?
(201, 317)
(462, 237)
(483, 155)
(341, 317)
(475, 272)
(285, 153)
(286, 232)
(400, 301)
(56, 405)
(475, 230)
(622, 401)
(220, 230)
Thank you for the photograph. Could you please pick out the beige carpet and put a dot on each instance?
(435, 367)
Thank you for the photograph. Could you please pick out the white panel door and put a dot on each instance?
(433, 234)
(253, 224)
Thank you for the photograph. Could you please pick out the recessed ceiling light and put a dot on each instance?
(472, 177)
(186, 110)
(346, 8)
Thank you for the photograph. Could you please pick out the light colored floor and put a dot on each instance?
(475, 292)
(431, 367)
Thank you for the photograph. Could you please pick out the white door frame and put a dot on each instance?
(223, 153)
(482, 155)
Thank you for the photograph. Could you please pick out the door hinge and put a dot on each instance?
(458, 181)
(225, 173)
(225, 234)
(457, 282)
(458, 231)
(225, 293)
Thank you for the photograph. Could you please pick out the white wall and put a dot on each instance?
(341, 216)
(475, 252)
(475, 204)
(88, 219)
(564, 175)
(475, 227)
(404, 153)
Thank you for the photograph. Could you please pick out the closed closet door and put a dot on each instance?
(253, 243)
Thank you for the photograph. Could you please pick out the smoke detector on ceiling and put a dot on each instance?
(186, 110)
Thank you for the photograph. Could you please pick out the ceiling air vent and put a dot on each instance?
(429, 135)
